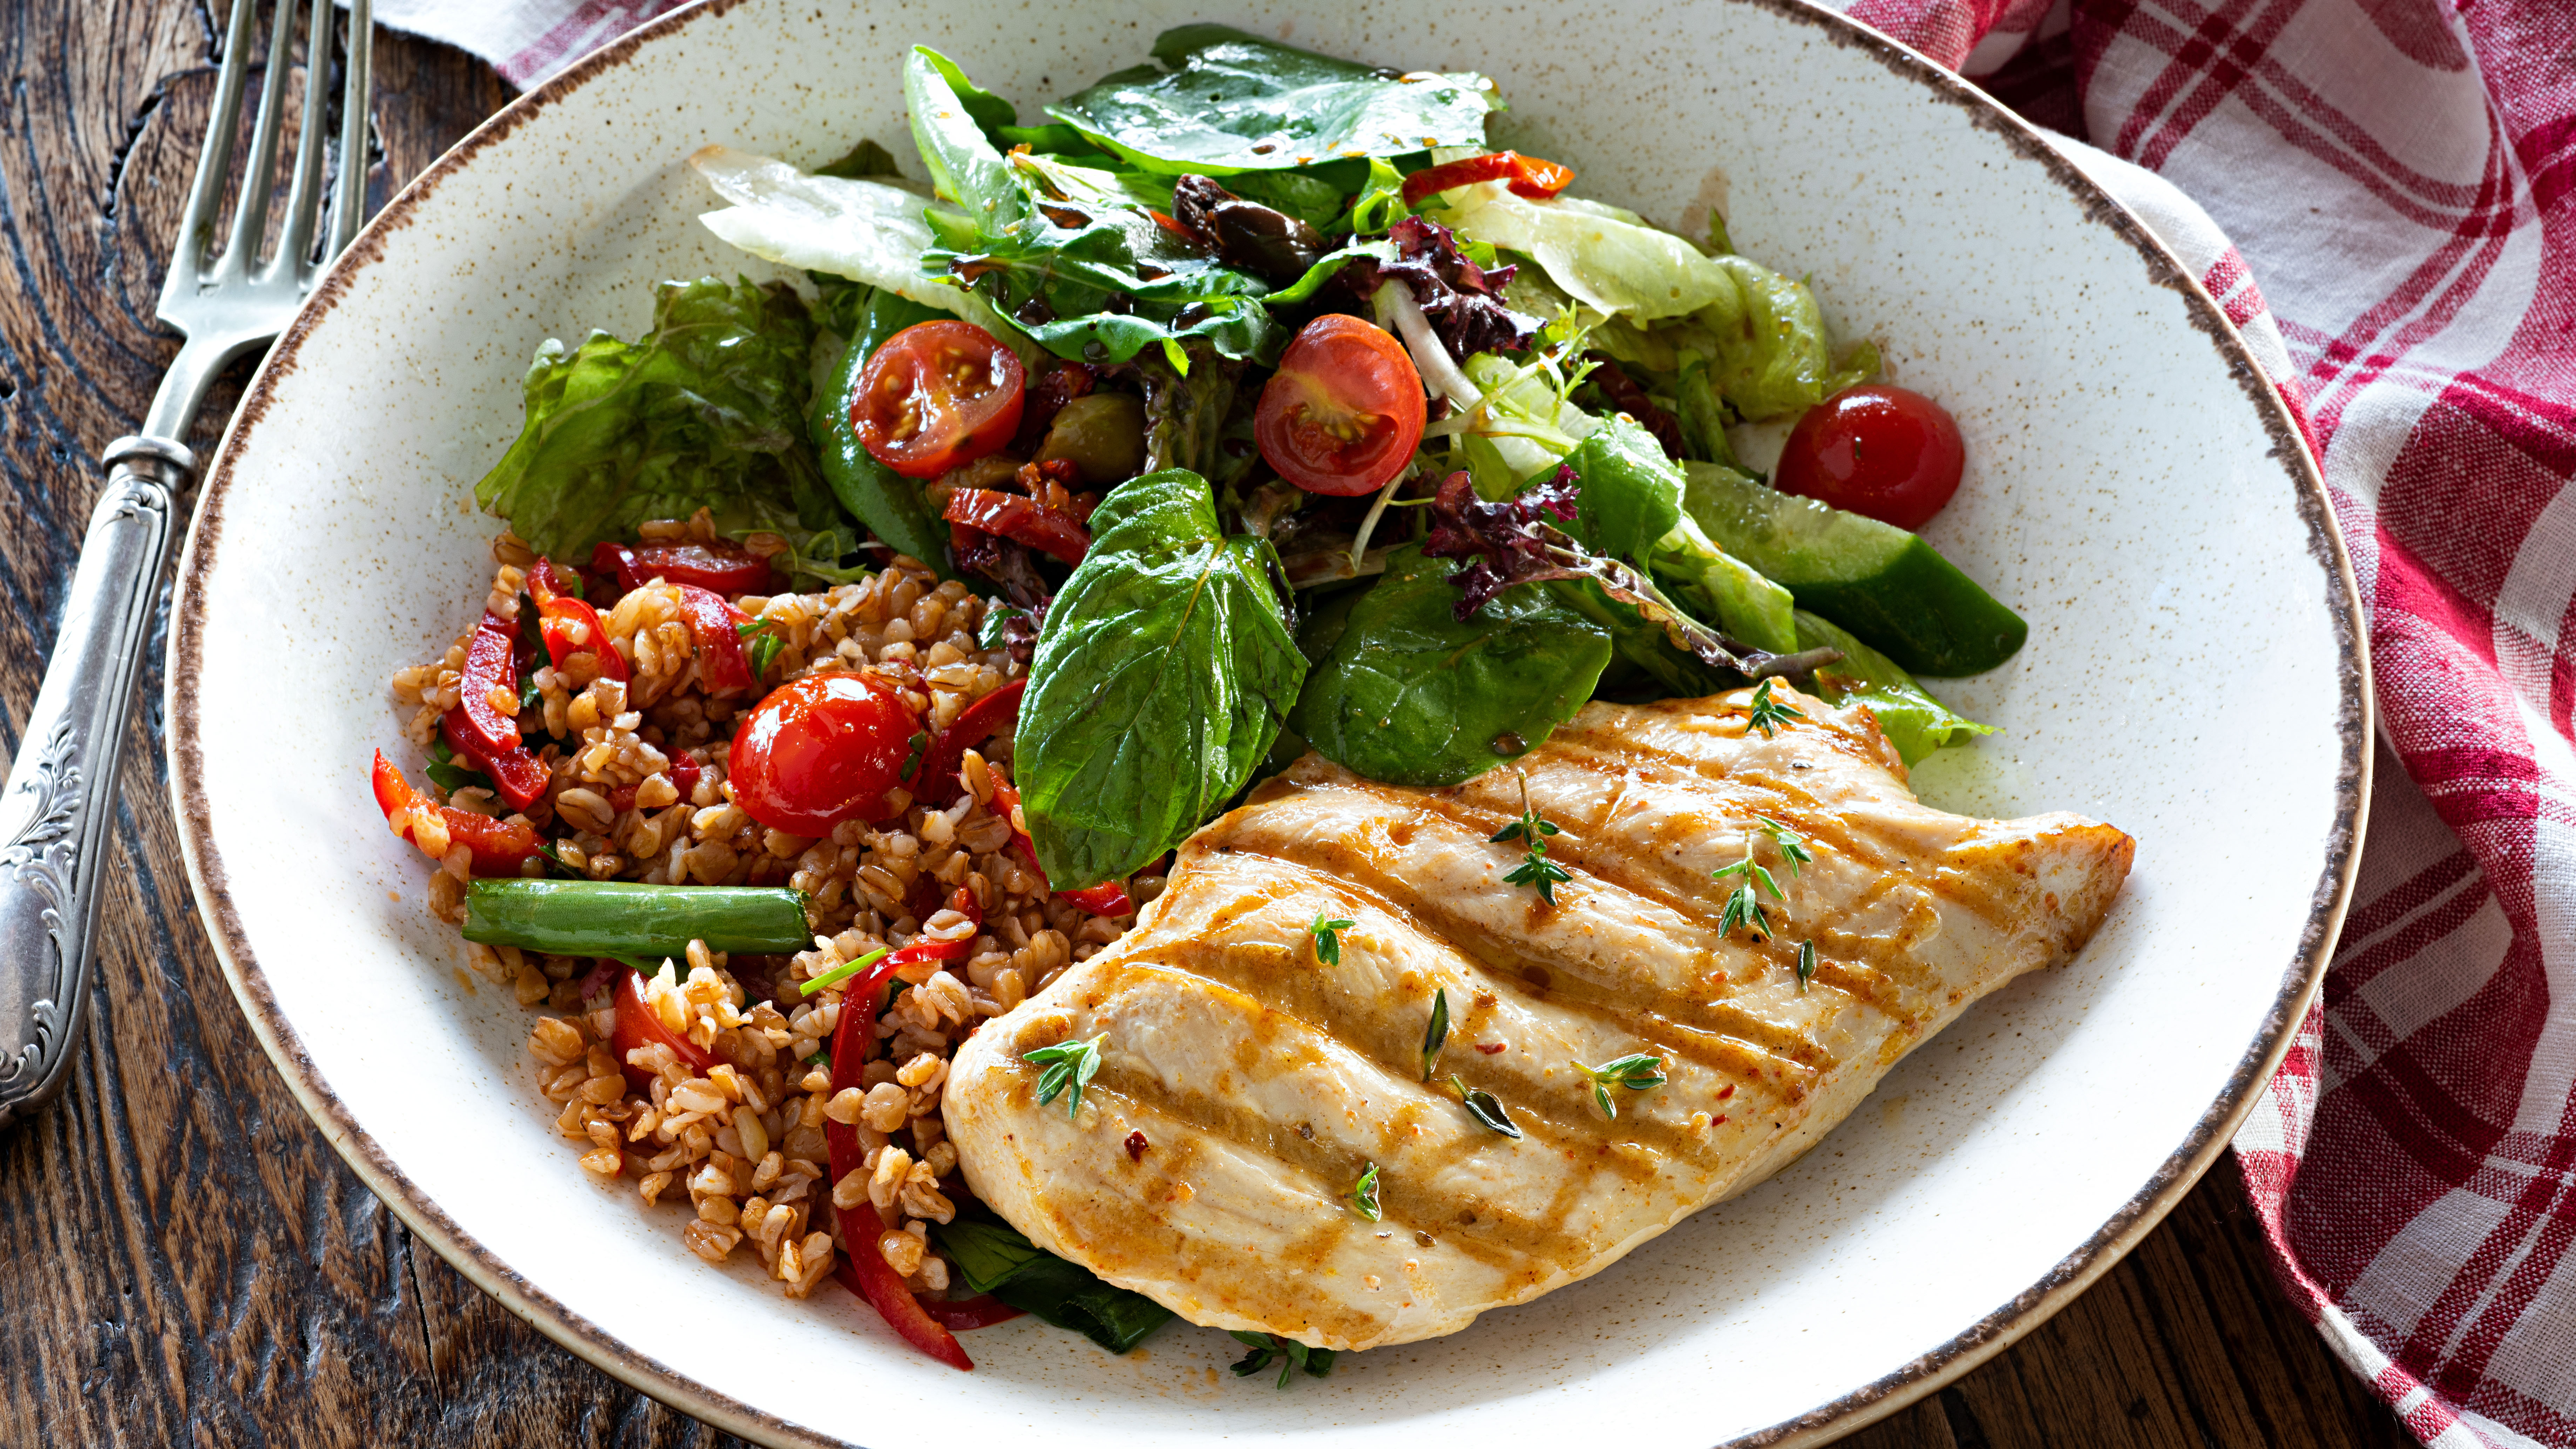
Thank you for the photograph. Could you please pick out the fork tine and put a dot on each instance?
(349, 194)
(295, 244)
(259, 175)
(197, 225)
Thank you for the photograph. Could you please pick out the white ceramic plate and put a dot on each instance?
(2193, 675)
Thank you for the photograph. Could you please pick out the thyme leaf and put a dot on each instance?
(1636, 1072)
(1068, 1064)
(1363, 1195)
(1328, 939)
(1485, 1107)
(1806, 964)
(1434, 1036)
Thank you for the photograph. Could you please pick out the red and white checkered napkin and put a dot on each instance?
(2403, 177)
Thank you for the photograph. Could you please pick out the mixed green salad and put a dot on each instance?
(1284, 414)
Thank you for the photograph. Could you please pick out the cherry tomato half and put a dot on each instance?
(1344, 412)
(938, 394)
(1884, 452)
(820, 750)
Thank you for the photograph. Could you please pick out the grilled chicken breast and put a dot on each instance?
(1246, 1083)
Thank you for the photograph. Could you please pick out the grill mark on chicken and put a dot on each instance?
(1267, 1080)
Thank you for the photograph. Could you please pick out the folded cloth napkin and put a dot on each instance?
(2400, 174)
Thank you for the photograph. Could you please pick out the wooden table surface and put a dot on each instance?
(182, 1257)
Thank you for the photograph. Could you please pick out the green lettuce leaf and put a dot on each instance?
(706, 410)
(1913, 721)
(1403, 692)
(1223, 102)
(1762, 332)
(1163, 673)
(869, 230)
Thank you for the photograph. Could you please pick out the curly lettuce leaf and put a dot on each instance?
(869, 230)
(1762, 332)
(706, 410)
(1221, 102)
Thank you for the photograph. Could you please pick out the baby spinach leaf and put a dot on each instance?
(1163, 673)
(887, 502)
(1406, 694)
(994, 1257)
(1222, 102)
(707, 409)
(1071, 253)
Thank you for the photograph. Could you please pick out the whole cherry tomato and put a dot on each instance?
(1884, 452)
(822, 749)
(1344, 412)
(938, 394)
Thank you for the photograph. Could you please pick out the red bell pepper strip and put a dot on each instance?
(684, 774)
(861, 1268)
(571, 626)
(479, 730)
(726, 568)
(1109, 898)
(500, 847)
(981, 1311)
(486, 729)
(1011, 516)
(716, 626)
(935, 782)
(1528, 176)
(638, 1025)
(520, 776)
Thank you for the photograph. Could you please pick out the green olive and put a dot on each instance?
(1103, 434)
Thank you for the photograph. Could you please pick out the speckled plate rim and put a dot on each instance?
(1863, 1405)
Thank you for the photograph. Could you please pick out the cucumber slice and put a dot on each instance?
(1882, 583)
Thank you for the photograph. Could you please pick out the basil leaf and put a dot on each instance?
(1406, 694)
(888, 503)
(993, 1257)
(1163, 672)
(1223, 102)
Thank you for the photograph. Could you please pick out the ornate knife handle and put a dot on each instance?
(56, 811)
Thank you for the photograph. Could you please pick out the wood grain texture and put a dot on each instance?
(183, 1258)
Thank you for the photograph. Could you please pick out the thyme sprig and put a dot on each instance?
(1068, 1064)
(1328, 938)
(1743, 906)
(1769, 714)
(1636, 1072)
(1535, 868)
(1363, 1195)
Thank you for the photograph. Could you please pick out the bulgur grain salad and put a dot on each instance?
(860, 646)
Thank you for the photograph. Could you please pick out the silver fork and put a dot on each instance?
(61, 795)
